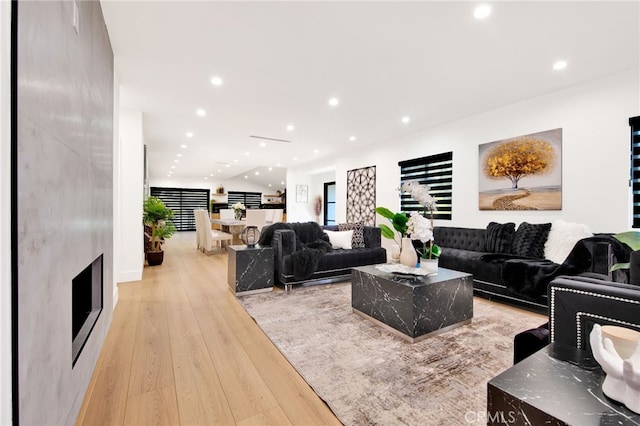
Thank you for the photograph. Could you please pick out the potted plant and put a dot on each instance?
(158, 228)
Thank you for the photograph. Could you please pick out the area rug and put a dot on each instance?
(368, 376)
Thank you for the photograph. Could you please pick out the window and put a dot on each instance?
(330, 203)
(251, 200)
(634, 122)
(435, 171)
(183, 202)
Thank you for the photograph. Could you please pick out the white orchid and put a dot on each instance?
(420, 193)
(238, 206)
(419, 228)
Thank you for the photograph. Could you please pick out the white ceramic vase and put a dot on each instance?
(408, 255)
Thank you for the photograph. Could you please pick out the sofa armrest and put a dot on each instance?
(284, 244)
(577, 303)
(372, 237)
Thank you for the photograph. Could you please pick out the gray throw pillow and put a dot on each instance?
(357, 241)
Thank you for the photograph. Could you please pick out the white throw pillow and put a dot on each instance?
(562, 237)
(340, 239)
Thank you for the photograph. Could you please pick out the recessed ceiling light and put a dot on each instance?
(352, 138)
(247, 153)
(269, 185)
(290, 127)
(183, 146)
(205, 178)
(270, 168)
(257, 173)
(219, 171)
(406, 119)
(168, 175)
(282, 183)
(173, 167)
(201, 113)
(279, 165)
(216, 81)
(176, 161)
(235, 161)
(263, 144)
(560, 65)
(295, 158)
(189, 134)
(246, 177)
(482, 11)
(334, 101)
(179, 155)
(227, 165)
(315, 151)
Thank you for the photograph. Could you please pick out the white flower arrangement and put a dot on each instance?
(238, 206)
(419, 227)
(420, 193)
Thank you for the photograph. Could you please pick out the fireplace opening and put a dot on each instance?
(86, 305)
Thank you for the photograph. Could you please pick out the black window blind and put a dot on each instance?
(634, 122)
(251, 200)
(183, 201)
(435, 171)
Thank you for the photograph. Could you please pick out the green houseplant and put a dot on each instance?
(158, 227)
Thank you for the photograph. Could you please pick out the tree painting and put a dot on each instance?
(520, 157)
(521, 173)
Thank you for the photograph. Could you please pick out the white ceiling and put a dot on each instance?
(281, 62)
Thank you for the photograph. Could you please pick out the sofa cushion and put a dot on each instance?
(340, 239)
(529, 239)
(563, 236)
(357, 240)
(499, 236)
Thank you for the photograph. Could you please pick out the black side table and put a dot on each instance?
(554, 387)
(250, 269)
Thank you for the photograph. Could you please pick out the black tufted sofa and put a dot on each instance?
(334, 265)
(465, 249)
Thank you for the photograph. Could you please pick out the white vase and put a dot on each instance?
(408, 254)
(430, 265)
(237, 214)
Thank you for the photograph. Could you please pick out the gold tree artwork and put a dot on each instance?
(520, 157)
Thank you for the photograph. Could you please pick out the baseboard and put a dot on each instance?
(128, 276)
(115, 295)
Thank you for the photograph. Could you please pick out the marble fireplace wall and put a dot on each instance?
(65, 197)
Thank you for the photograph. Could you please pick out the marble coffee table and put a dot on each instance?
(413, 307)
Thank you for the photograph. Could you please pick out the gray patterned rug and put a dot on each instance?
(367, 376)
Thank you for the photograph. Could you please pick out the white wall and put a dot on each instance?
(5, 213)
(117, 166)
(130, 248)
(595, 149)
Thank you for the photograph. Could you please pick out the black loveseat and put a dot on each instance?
(305, 242)
(501, 271)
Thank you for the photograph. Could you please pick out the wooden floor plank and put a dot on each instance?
(151, 362)
(157, 407)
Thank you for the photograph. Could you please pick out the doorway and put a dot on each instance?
(330, 203)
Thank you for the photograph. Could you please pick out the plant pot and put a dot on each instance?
(430, 265)
(155, 258)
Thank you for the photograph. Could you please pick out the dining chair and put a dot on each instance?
(227, 214)
(257, 218)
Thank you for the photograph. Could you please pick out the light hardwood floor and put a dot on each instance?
(182, 351)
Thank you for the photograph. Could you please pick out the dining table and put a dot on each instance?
(232, 226)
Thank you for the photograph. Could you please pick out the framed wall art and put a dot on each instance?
(302, 193)
(361, 195)
(521, 173)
